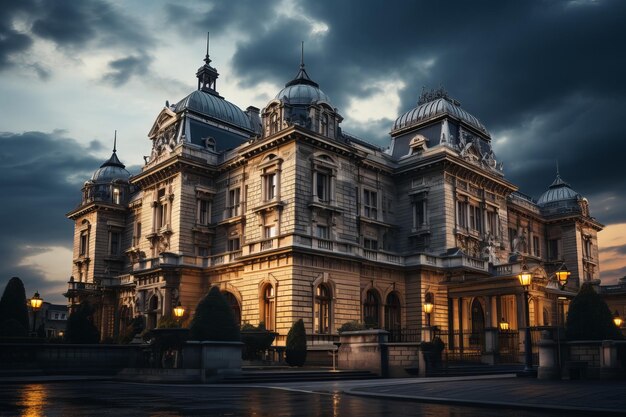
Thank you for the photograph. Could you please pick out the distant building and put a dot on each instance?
(294, 218)
(51, 320)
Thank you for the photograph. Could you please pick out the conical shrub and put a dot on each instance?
(13, 310)
(589, 318)
(295, 352)
(214, 319)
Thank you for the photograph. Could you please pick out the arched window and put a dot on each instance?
(371, 309)
(153, 309)
(273, 123)
(269, 306)
(392, 312)
(234, 305)
(322, 318)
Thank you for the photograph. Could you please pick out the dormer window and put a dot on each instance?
(418, 145)
(273, 123)
(324, 125)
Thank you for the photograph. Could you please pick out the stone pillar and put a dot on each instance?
(491, 346)
(548, 359)
(609, 366)
(364, 350)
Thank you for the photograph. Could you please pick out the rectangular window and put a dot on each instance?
(322, 186)
(370, 204)
(475, 218)
(270, 186)
(512, 235)
(553, 249)
(536, 249)
(203, 251)
(83, 243)
(462, 207)
(116, 195)
(491, 225)
(137, 236)
(234, 244)
(204, 212)
(269, 231)
(370, 244)
(587, 247)
(322, 232)
(162, 215)
(114, 243)
(234, 202)
(419, 214)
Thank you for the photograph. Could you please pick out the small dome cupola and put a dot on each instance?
(109, 183)
(559, 192)
(301, 103)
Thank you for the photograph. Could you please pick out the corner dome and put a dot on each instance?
(111, 170)
(434, 105)
(559, 191)
(216, 107)
(302, 90)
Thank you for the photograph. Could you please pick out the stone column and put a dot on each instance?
(548, 359)
(491, 346)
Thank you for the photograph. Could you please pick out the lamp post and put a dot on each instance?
(428, 307)
(179, 312)
(504, 325)
(35, 305)
(617, 319)
(525, 279)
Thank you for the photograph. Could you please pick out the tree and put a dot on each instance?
(295, 352)
(80, 328)
(589, 318)
(13, 310)
(214, 319)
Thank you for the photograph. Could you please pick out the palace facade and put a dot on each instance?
(294, 218)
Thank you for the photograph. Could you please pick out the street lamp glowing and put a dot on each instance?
(617, 319)
(179, 310)
(428, 303)
(504, 325)
(36, 301)
(525, 277)
(562, 275)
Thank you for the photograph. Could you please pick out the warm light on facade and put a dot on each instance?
(617, 319)
(525, 277)
(562, 275)
(504, 325)
(36, 302)
(179, 310)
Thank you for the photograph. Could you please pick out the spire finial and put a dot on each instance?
(557, 168)
(206, 58)
(302, 55)
(115, 142)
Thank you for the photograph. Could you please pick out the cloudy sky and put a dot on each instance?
(545, 77)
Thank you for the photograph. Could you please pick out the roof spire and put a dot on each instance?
(557, 168)
(207, 75)
(115, 141)
(302, 77)
(206, 58)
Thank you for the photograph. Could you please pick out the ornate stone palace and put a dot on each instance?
(293, 218)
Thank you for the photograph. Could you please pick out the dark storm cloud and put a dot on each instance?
(548, 75)
(12, 41)
(121, 70)
(43, 174)
(71, 23)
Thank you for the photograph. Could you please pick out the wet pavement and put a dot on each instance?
(97, 398)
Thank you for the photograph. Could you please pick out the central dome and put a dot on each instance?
(111, 170)
(559, 191)
(214, 106)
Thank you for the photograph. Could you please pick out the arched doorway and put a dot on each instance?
(478, 325)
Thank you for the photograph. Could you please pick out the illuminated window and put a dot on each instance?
(116, 195)
(269, 307)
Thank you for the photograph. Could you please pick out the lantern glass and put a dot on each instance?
(562, 275)
(36, 301)
(504, 325)
(179, 311)
(428, 307)
(525, 277)
(617, 319)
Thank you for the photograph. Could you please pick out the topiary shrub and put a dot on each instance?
(13, 310)
(214, 320)
(257, 339)
(589, 318)
(295, 352)
(80, 328)
(351, 326)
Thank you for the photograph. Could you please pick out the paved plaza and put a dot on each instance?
(475, 396)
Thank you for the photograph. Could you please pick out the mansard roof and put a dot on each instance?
(216, 107)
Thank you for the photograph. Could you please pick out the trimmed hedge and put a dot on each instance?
(295, 352)
(214, 319)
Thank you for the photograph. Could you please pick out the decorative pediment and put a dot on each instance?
(166, 118)
(418, 144)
